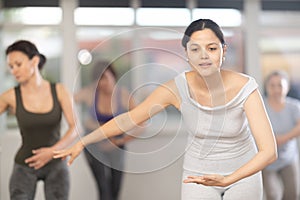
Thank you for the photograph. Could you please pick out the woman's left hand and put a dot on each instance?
(208, 180)
(40, 157)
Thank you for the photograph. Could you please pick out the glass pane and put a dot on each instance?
(163, 16)
(223, 17)
(33, 15)
(104, 16)
(234, 57)
(280, 46)
(112, 44)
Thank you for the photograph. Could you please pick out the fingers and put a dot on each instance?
(194, 179)
(30, 159)
(60, 154)
(36, 165)
(71, 160)
(208, 180)
(63, 154)
(34, 162)
(200, 179)
(73, 152)
(36, 151)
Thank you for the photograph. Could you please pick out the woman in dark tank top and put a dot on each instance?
(38, 106)
(105, 100)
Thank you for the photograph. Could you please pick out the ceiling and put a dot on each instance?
(289, 5)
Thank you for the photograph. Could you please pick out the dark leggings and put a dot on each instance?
(24, 180)
(107, 178)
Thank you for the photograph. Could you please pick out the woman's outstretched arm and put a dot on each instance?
(162, 97)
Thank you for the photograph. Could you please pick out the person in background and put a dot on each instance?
(223, 158)
(38, 106)
(104, 99)
(281, 178)
(294, 90)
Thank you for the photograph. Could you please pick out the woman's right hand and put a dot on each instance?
(73, 152)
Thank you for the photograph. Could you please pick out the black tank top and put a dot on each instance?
(37, 129)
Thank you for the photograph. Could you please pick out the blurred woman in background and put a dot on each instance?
(38, 106)
(281, 178)
(105, 100)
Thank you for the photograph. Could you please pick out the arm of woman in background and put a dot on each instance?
(7, 101)
(85, 96)
(162, 97)
(295, 132)
(284, 138)
(70, 115)
(45, 154)
(129, 103)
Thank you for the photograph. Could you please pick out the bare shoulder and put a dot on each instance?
(59, 88)
(169, 88)
(62, 91)
(236, 78)
(8, 100)
(165, 94)
(170, 84)
(8, 96)
(234, 82)
(171, 93)
(86, 94)
(126, 97)
(125, 93)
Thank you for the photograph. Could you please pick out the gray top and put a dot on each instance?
(282, 122)
(219, 137)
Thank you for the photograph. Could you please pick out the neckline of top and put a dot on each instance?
(214, 107)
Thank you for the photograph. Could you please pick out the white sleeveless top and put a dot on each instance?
(219, 139)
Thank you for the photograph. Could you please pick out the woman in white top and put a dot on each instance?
(219, 108)
(281, 178)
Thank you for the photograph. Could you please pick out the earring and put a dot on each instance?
(223, 58)
(187, 60)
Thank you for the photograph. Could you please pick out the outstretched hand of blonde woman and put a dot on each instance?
(207, 180)
(73, 152)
